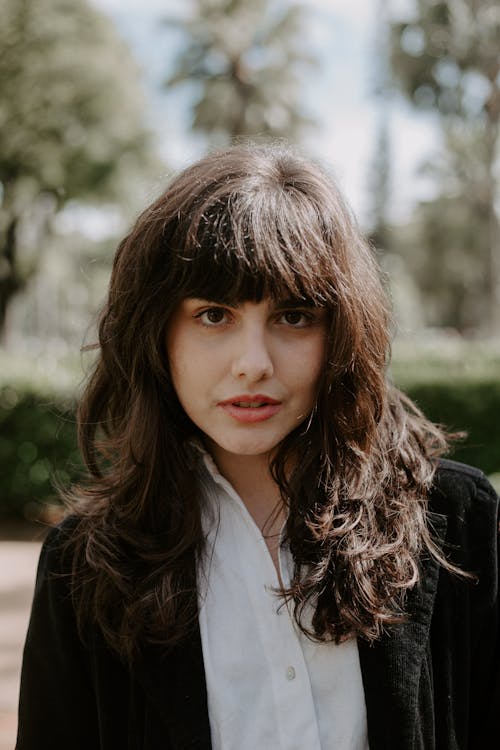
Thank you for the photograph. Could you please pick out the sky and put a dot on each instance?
(343, 34)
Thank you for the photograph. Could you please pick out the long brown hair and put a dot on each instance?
(242, 224)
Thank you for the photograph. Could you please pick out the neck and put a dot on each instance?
(251, 478)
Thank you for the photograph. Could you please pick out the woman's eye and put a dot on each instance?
(212, 316)
(295, 318)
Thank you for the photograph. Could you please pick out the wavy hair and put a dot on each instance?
(243, 224)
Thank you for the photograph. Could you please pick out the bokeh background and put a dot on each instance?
(101, 101)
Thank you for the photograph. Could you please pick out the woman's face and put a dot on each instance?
(246, 375)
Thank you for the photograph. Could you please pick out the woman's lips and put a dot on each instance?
(250, 409)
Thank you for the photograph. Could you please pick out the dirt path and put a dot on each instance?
(18, 561)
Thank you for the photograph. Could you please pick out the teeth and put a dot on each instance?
(249, 404)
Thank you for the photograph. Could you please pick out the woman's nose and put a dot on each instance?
(253, 359)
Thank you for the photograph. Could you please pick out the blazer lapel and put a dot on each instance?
(174, 682)
(391, 667)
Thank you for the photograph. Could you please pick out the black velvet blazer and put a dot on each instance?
(433, 682)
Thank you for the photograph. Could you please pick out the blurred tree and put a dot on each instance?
(447, 248)
(447, 58)
(380, 172)
(71, 122)
(438, 246)
(245, 60)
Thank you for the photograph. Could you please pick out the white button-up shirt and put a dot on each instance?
(269, 686)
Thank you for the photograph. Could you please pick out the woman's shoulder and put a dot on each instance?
(459, 488)
(57, 553)
(467, 506)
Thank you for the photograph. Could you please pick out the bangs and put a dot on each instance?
(247, 247)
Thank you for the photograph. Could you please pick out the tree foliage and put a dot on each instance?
(380, 168)
(246, 61)
(440, 248)
(70, 121)
(447, 59)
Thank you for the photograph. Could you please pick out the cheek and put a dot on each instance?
(187, 389)
(184, 372)
(192, 376)
(175, 364)
(178, 360)
(310, 365)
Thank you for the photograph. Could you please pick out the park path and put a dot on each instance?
(18, 561)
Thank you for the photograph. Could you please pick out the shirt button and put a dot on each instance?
(290, 673)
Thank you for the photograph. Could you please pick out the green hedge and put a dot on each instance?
(465, 405)
(38, 437)
(37, 450)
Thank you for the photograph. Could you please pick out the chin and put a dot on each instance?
(247, 448)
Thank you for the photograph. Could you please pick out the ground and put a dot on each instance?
(18, 561)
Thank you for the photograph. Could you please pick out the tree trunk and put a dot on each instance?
(493, 323)
(10, 281)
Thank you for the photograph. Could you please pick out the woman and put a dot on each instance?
(269, 551)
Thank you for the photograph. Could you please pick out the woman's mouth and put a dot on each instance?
(250, 404)
(250, 409)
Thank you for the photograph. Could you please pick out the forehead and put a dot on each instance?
(270, 302)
